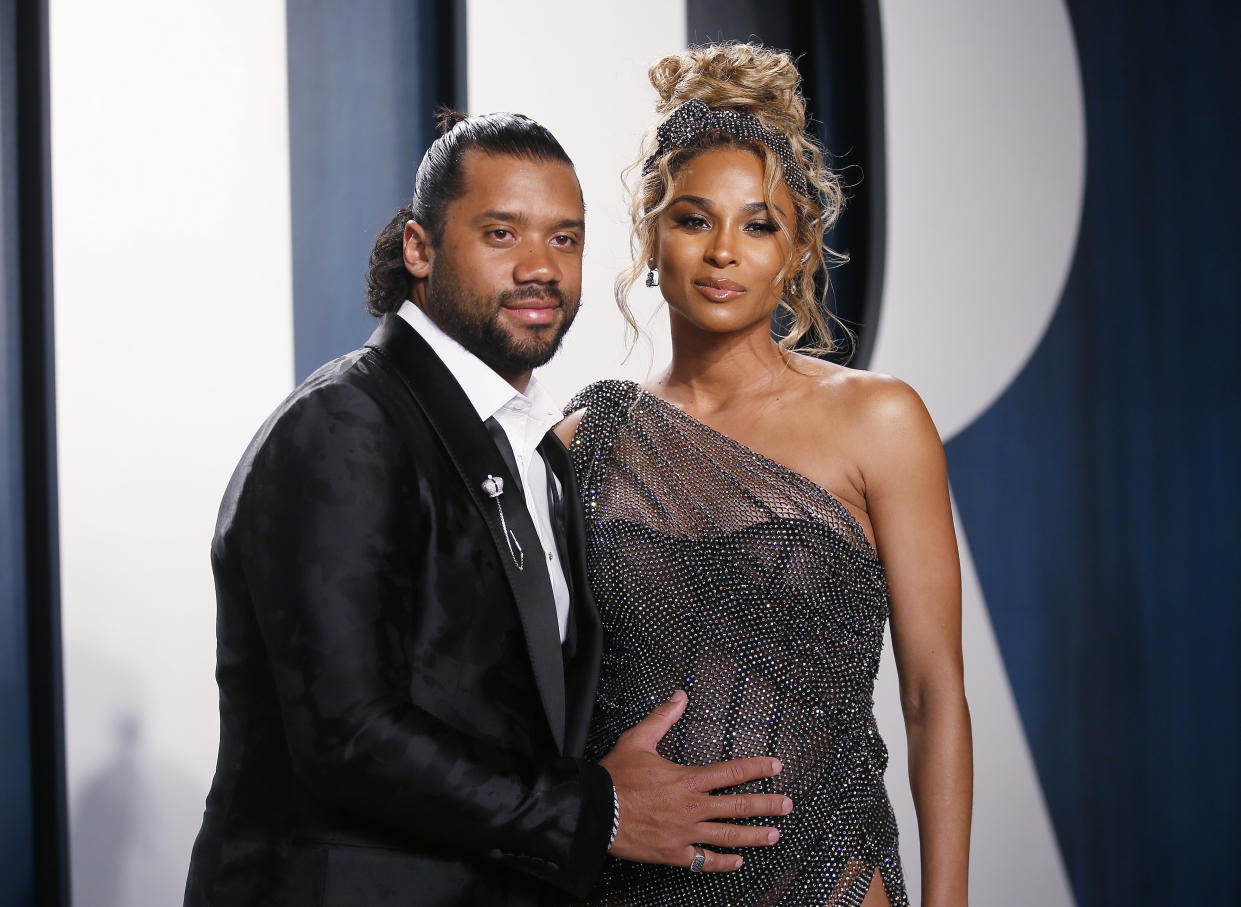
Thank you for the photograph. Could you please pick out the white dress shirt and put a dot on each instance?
(525, 418)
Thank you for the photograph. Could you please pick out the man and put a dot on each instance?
(407, 647)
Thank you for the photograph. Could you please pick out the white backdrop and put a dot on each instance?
(174, 340)
(595, 98)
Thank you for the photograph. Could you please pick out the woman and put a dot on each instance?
(756, 515)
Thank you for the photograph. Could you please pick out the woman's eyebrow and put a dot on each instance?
(693, 200)
(706, 203)
(757, 207)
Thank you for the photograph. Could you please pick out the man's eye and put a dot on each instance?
(564, 240)
(499, 233)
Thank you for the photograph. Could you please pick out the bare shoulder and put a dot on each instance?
(566, 428)
(885, 417)
(888, 405)
(871, 393)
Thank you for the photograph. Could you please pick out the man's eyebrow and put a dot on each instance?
(506, 216)
(511, 217)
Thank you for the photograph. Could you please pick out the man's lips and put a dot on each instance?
(719, 290)
(533, 311)
(539, 303)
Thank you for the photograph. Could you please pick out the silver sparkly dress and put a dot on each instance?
(720, 572)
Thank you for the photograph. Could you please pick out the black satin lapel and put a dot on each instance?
(475, 456)
(582, 673)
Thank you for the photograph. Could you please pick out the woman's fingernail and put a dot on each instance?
(773, 836)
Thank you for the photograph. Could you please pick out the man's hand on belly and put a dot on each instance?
(666, 809)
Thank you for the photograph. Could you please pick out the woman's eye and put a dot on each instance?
(762, 226)
(692, 222)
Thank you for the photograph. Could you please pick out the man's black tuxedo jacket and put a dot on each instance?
(399, 721)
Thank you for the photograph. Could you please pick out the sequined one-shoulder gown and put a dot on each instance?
(721, 572)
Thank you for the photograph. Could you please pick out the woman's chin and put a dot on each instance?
(721, 319)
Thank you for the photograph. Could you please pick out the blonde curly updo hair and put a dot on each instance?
(765, 83)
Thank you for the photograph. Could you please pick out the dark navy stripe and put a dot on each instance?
(364, 81)
(17, 829)
(33, 849)
(1100, 494)
(838, 47)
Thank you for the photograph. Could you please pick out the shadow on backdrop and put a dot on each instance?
(135, 812)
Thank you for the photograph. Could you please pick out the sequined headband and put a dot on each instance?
(693, 118)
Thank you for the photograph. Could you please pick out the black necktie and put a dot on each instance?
(496, 430)
(555, 508)
(560, 531)
(560, 523)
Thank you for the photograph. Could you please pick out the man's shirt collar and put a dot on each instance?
(486, 390)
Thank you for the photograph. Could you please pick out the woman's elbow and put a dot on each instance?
(938, 697)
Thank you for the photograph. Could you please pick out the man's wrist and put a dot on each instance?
(588, 852)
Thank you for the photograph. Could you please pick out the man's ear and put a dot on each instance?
(417, 249)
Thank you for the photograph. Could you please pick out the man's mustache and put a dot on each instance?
(534, 294)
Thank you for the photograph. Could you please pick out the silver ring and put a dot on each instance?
(699, 860)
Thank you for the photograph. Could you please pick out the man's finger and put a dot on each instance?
(743, 806)
(715, 862)
(651, 729)
(722, 834)
(729, 774)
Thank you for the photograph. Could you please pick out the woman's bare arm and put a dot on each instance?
(907, 500)
(566, 428)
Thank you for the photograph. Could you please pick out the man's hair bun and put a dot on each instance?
(446, 118)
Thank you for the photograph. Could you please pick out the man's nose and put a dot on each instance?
(537, 264)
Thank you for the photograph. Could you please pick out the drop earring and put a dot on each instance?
(652, 278)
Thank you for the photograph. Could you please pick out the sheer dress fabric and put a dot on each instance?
(723, 573)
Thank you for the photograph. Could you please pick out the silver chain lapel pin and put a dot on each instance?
(494, 487)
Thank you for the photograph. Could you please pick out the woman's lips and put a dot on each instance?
(718, 290)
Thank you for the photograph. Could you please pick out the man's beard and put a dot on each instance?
(475, 322)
